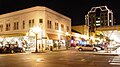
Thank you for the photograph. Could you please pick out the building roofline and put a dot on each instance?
(33, 9)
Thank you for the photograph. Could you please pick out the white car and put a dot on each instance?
(88, 47)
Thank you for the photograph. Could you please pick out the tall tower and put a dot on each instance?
(98, 17)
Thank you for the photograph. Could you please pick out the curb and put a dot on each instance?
(38, 52)
(106, 54)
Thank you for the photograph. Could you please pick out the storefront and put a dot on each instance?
(28, 43)
(55, 41)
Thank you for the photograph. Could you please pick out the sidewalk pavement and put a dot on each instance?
(110, 52)
(102, 52)
(72, 49)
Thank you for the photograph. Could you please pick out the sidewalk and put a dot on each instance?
(110, 53)
(47, 51)
(102, 52)
(117, 51)
(72, 49)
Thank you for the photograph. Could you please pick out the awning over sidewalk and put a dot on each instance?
(53, 36)
(12, 35)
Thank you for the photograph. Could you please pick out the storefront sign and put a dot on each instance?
(44, 37)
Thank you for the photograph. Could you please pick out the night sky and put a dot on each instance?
(74, 9)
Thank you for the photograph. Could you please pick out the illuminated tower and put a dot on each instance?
(98, 17)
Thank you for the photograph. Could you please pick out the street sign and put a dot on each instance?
(44, 37)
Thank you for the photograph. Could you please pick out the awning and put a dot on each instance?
(53, 36)
(12, 35)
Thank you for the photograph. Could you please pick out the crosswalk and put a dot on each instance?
(115, 61)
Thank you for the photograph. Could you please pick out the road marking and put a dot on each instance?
(116, 59)
(115, 63)
(39, 59)
(36, 59)
(83, 60)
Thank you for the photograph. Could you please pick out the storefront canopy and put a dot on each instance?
(12, 35)
(53, 36)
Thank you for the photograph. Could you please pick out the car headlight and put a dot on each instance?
(76, 47)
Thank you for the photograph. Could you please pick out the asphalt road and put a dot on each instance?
(58, 59)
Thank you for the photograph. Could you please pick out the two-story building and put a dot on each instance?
(17, 27)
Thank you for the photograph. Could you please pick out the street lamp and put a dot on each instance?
(36, 30)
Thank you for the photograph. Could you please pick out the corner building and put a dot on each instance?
(17, 27)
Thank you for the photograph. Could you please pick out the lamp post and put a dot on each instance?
(36, 30)
(36, 50)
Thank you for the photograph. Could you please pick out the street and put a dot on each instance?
(58, 59)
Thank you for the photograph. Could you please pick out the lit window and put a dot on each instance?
(97, 24)
(98, 21)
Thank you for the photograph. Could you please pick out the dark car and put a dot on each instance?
(7, 50)
(11, 48)
(1, 49)
(17, 49)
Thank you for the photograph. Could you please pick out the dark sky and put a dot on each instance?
(75, 9)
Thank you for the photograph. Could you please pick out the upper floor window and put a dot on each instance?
(23, 24)
(40, 20)
(16, 26)
(49, 24)
(31, 23)
(56, 26)
(1, 27)
(7, 26)
(67, 28)
(62, 27)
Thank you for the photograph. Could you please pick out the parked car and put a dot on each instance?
(18, 49)
(11, 48)
(88, 48)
